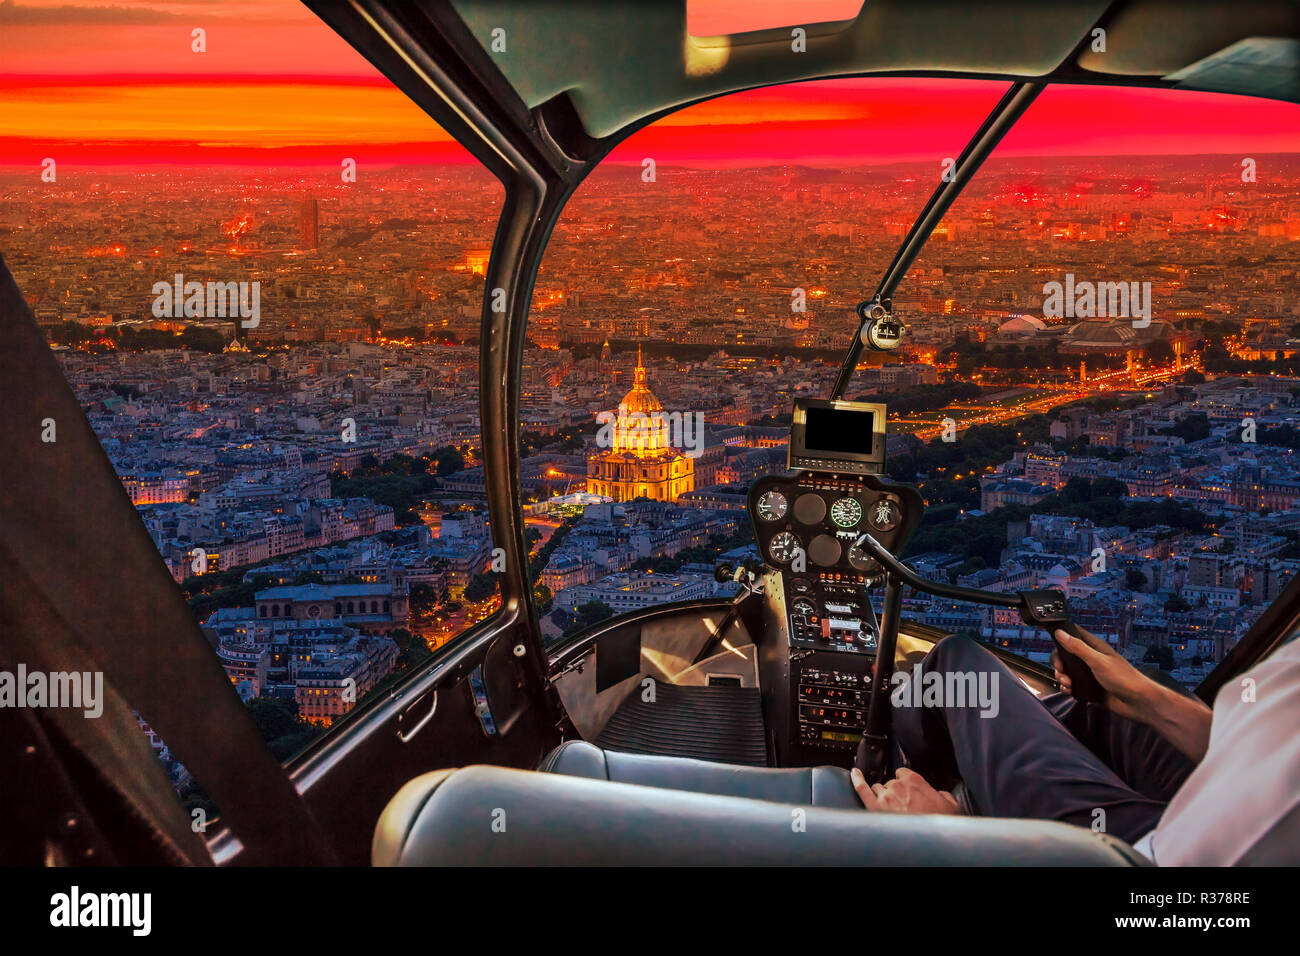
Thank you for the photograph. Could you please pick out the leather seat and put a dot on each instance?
(801, 786)
(499, 816)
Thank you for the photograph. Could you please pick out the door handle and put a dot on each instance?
(405, 737)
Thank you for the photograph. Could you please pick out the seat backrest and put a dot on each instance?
(497, 816)
(799, 786)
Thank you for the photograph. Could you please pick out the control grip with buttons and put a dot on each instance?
(1047, 609)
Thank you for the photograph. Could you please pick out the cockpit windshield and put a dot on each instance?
(475, 431)
(1094, 391)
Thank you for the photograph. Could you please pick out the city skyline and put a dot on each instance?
(315, 487)
(314, 482)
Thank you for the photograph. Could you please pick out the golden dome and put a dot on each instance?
(640, 398)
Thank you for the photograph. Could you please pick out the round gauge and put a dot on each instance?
(885, 334)
(862, 561)
(801, 586)
(846, 512)
(783, 547)
(771, 506)
(803, 608)
(824, 550)
(884, 514)
(810, 509)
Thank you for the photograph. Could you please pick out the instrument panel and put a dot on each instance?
(832, 707)
(817, 596)
(806, 522)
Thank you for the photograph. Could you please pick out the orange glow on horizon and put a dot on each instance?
(306, 121)
(89, 83)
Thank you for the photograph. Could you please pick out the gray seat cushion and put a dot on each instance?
(802, 786)
(499, 816)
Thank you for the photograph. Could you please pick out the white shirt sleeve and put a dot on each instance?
(1241, 805)
(1143, 845)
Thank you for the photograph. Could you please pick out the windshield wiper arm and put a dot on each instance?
(1009, 109)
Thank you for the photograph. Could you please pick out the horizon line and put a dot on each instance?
(7, 167)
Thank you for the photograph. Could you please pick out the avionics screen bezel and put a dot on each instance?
(801, 456)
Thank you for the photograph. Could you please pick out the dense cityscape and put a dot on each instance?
(312, 481)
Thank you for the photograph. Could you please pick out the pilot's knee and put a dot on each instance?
(960, 653)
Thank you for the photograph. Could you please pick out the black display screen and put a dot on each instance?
(849, 432)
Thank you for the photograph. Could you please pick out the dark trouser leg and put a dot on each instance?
(1021, 762)
(1140, 757)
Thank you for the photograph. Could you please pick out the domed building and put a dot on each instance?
(1120, 338)
(1022, 324)
(1022, 330)
(640, 461)
(1113, 337)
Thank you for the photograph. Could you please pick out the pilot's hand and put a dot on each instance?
(906, 793)
(1182, 719)
(1128, 690)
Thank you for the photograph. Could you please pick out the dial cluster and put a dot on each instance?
(810, 523)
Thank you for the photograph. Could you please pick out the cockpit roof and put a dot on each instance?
(622, 61)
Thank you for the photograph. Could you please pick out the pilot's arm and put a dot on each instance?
(1182, 720)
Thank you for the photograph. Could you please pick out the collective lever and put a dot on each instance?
(1045, 608)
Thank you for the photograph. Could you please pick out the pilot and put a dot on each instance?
(1153, 765)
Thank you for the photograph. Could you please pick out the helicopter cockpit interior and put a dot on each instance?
(773, 703)
(690, 732)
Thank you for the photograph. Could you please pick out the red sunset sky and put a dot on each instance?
(90, 83)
